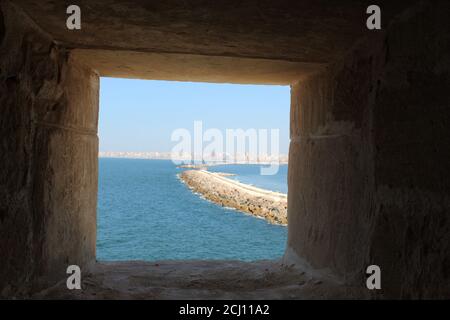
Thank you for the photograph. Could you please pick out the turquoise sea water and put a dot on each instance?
(146, 213)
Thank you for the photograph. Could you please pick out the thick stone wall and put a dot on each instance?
(48, 156)
(369, 160)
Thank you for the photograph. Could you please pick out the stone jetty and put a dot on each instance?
(266, 204)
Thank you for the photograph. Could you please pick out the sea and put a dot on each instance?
(146, 213)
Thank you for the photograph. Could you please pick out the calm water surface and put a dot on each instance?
(146, 213)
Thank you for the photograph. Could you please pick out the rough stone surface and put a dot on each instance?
(303, 31)
(271, 206)
(368, 170)
(48, 152)
(189, 67)
(190, 280)
(252, 41)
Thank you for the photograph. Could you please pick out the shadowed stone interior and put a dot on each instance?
(370, 140)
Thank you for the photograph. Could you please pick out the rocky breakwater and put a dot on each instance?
(269, 205)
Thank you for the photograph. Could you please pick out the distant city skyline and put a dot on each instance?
(139, 116)
(187, 158)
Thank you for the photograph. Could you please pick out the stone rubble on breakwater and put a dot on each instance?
(269, 205)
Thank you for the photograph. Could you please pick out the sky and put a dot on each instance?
(140, 115)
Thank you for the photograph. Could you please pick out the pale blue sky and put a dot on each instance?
(140, 115)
